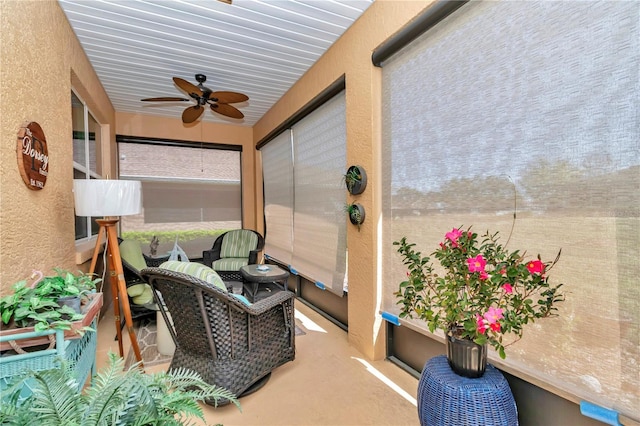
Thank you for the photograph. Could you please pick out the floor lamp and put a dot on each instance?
(111, 199)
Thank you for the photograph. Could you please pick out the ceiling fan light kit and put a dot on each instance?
(218, 101)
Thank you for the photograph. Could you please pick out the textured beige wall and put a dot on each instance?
(351, 56)
(166, 128)
(39, 58)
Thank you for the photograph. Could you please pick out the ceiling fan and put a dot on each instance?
(217, 101)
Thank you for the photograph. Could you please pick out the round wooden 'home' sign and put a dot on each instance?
(33, 157)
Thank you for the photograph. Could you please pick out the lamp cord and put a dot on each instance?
(104, 259)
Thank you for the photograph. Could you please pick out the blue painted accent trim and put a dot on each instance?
(266, 256)
(293, 270)
(605, 415)
(393, 319)
(320, 285)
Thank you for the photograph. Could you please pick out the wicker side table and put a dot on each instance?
(445, 398)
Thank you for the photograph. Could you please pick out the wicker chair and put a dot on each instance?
(228, 343)
(133, 261)
(231, 251)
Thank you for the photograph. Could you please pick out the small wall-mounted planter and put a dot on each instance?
(356, 214)
(355, 179)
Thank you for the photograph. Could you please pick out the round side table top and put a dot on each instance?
(263, 273)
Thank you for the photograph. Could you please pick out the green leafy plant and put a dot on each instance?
(356, 214)
(37, 304)
(485, 292)
(143, 237)
(351, 177)
(115, 397)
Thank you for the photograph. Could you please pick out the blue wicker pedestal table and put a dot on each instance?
(445, 398)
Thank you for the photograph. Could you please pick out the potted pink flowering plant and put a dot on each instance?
(481, 292)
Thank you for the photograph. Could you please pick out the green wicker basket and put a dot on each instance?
(80, 354)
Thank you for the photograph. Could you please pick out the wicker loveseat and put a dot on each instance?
(231, 344)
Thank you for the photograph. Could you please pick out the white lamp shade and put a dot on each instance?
(97, 197)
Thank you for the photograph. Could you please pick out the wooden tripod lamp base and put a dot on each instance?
(118, 284)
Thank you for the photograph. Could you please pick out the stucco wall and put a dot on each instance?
(351, 56)
(38, 55)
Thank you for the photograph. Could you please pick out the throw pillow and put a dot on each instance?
(197, 270)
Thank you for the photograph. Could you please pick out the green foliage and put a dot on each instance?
(351, 177)
(37, 304)
(354, 214)
(486, 291)
(115, 397)
(145, 237)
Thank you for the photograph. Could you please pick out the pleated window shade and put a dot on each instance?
(277, 170)
(532, 107)
(318, 221)
(184, 189)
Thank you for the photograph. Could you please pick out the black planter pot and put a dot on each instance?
(72, 301)
(466, 358)
(356, 214)
(356, 186)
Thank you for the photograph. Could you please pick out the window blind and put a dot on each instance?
(304, 196)
(319, 225)
(193, 192)
(277, 171)
(529, 106)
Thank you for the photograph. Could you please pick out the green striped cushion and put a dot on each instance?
(197, 270)
(229, 264)
(238, 243)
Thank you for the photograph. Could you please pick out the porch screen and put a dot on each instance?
(304, 199)
(194, 193)
(277, 170)
(319, 223)
(532, 107)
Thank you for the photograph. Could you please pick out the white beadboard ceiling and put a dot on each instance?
(256, 47)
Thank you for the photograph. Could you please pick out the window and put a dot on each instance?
(305, 195)
(189, 191)
(86, 157)
(537, 100)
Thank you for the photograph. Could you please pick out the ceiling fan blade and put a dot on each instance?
(165, 99)
(187, 87)
(191, 114)
(228, 110)
(228, 97)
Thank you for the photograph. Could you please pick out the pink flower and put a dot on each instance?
(493, 315)
(495, 326)
(481, 326)
(508, 288)
(535, 267)
(453, 236)
(476, 264)
(483, 275)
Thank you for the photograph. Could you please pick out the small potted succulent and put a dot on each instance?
(355, 179)
(356, 214)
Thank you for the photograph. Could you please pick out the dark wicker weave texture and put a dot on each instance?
(230, 344)
(447, 399)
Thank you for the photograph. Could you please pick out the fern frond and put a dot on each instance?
(55, 399)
